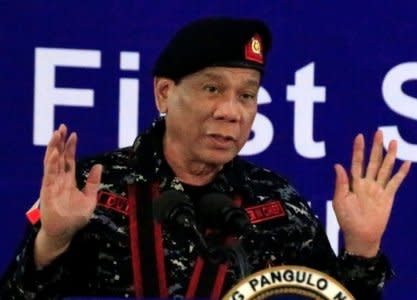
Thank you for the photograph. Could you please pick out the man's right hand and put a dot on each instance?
(64, 208)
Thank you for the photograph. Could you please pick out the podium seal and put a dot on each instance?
(289, 282)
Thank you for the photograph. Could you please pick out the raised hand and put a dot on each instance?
(64, 208)
(363, 202)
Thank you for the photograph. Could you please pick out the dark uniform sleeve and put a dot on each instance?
(363, 277)
(67, 275)
(23, 281)
(62, 277)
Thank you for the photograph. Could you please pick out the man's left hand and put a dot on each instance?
(363, 203)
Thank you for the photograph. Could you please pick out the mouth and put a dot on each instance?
(222, 141)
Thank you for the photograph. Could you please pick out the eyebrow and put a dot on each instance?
(213, 76)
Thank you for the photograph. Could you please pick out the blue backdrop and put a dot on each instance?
(335, 70)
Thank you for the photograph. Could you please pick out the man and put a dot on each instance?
(102, 239)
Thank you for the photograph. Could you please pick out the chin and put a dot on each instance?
(219, 158)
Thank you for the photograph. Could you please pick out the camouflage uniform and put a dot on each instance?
(99, 260)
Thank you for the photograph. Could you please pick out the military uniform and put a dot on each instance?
(125, 252)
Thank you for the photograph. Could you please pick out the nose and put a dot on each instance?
(228, 109)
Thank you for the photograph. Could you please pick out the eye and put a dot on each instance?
(212, 89)
(248, 97)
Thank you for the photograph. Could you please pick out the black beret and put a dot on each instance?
(215, 41)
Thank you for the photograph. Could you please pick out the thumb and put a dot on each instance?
(93, 181)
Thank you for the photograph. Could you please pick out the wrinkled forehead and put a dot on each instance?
(243, 76)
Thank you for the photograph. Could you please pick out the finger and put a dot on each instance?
(357, 156)
(61, 163)
(69, 158)
(70, 149)
(51, 168)
(398, 178)
(341, 182)
(375, 159)
(93, 182)
(385, 171)
(53, 144)
(62, 129)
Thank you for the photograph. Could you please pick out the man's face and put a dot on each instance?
(209, 114)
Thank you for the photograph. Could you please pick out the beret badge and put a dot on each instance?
(253, 49)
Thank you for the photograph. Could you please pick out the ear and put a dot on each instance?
(161, 89)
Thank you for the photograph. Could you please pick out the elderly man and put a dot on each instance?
(97, 234)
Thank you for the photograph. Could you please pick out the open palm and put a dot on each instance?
(363, 202)
(64, 208)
